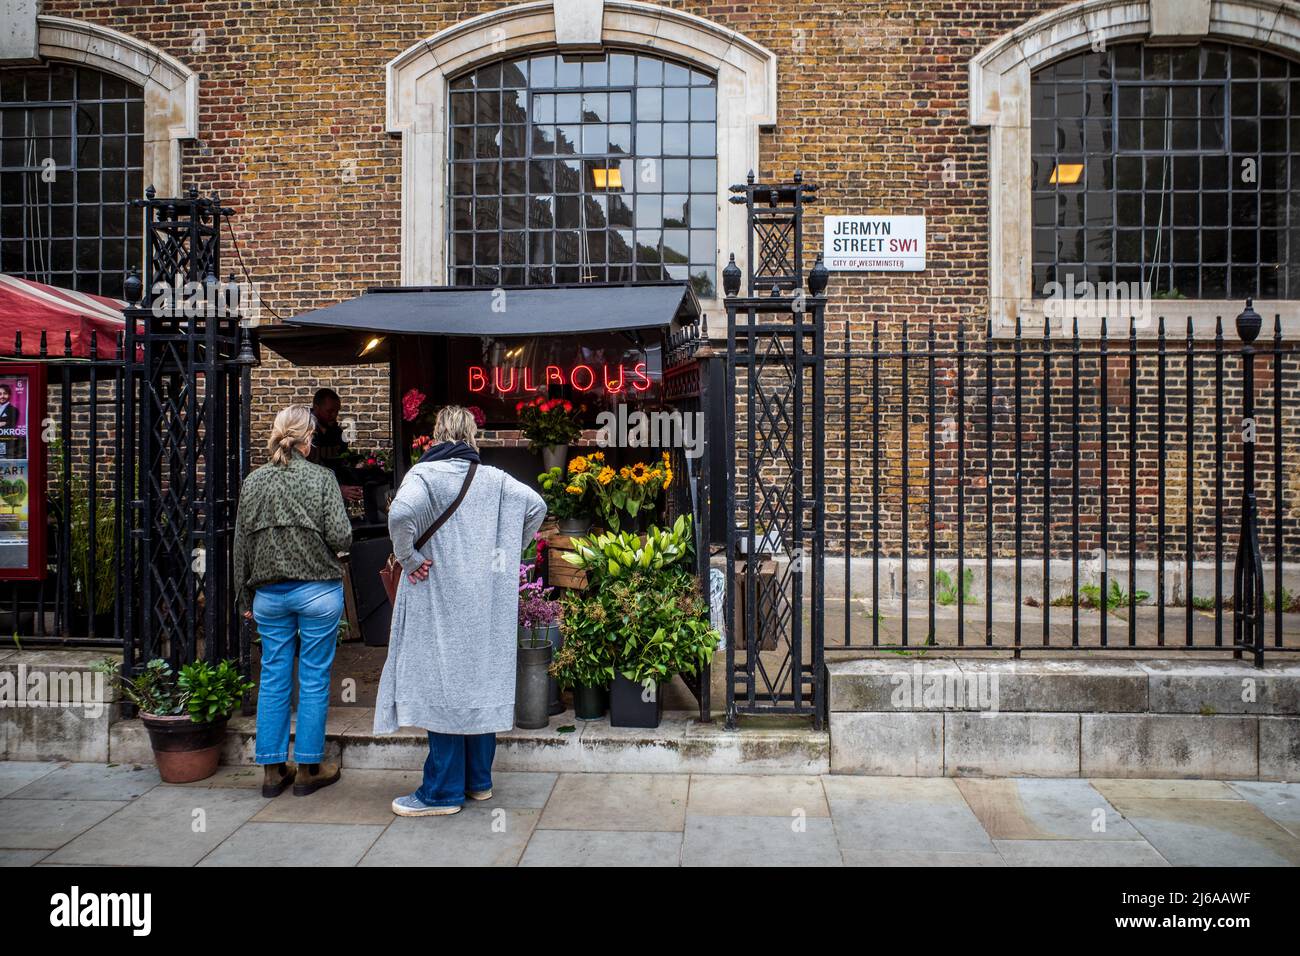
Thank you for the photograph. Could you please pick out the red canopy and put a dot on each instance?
(32, 308)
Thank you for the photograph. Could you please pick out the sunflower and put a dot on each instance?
(668, 479)
(578, 465)
(573, 490)
(606, 475)
(597, 456)
(639, 471)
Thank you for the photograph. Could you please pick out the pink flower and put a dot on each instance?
(480, 418)
(411, 404)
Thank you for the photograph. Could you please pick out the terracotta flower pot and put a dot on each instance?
(184, 751)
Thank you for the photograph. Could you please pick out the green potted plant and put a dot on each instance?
(566, 500)
(185, 714)
(653, 613)
(585, 662)
(550, 425)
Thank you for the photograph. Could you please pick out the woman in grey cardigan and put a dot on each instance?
(451, 653)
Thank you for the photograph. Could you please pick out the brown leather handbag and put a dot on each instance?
(391, 572)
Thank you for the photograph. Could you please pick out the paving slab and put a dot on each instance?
(476, 836)
(903, 813)
(16, 774)
(774, 795)
(360, 796)
(1044, 810)
(637, 848)
(759, 841)
(22, 857)
(1079, 853)
(1120, 791)
(168, 826)
(919, 858)
(91, 781)
(49, 824)
(294, 844)
(247, 778)
(1280, 802)
(622, 801)
(1213, 833)
(521, 791)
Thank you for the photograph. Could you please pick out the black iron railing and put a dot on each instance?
(1071, 474)
(77, 600)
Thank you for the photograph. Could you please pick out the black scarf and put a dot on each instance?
(447, 449)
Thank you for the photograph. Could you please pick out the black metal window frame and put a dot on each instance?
(76, 231)
(538, 217)
(1175, 212)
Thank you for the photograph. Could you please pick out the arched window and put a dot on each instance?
(71, 159)
(588, 168)
(1176, 166)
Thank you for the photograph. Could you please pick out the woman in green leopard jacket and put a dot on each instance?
(291, 526)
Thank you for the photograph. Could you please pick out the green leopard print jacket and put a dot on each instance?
(291, 526)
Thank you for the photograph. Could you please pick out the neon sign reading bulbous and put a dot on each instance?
(510, 380)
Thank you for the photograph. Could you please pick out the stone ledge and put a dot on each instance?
(53, 708)
(1050, 686)
(679, 745)
(1170, 745)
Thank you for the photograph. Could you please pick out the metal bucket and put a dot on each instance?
(532, 687)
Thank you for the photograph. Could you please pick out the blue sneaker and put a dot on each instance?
(412, 806)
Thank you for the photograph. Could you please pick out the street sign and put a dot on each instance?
(874, 243)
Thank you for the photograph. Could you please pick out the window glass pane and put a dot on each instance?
(632, 194)
(71, 229)
(1171, 163)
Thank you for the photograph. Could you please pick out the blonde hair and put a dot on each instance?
(294, 427)
(455, 424)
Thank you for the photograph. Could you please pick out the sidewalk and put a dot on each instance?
(93, 814)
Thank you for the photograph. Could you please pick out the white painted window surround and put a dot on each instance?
(1000, 100)
(417, 101)
(171, 89)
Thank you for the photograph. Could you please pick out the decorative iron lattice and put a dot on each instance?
(186, 415)
(775, 409)
(775, 215)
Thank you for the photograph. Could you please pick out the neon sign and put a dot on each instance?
(511, 380)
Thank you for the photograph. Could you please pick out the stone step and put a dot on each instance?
(680, 744)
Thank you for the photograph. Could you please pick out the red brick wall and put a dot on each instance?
(872, 102)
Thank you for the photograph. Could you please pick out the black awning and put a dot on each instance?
(338, 333)
(550, 310)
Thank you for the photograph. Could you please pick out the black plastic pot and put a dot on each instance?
(627, 708)
(590, 703)
(532, 687)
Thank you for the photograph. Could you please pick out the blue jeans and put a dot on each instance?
(456, 765)
(310, 612)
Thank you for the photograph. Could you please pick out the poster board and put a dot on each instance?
(22, 471)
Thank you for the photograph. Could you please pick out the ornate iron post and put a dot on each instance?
(1248, 570)
(775, 377)
(185, 454)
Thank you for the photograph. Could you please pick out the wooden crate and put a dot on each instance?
(561, 573)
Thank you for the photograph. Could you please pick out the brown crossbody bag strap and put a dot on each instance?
(391, 572)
